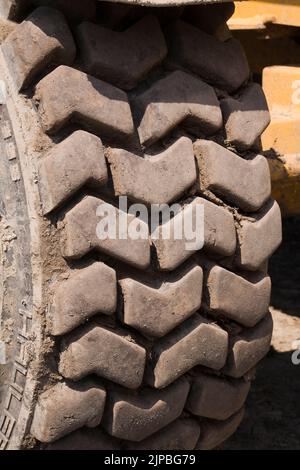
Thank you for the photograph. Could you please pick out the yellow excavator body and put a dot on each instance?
(276, 40)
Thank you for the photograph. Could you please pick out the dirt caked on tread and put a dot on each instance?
(141, 344)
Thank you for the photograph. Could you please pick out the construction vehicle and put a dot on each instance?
(129, 342)
(269, 31)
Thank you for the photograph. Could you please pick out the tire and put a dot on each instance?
(130, 344)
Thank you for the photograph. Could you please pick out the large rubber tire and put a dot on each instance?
(131, 344)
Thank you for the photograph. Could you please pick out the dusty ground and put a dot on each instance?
(272, 419)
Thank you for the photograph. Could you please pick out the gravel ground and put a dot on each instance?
(272, 419)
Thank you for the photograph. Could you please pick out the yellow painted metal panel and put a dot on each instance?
(282, 88)
(255, 14)
(283, 135)
(285, 174)
(281, 85)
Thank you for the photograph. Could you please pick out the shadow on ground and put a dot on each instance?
(285, 270)
(272, 419)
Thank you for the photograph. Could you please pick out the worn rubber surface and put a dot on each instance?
(134, 344)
